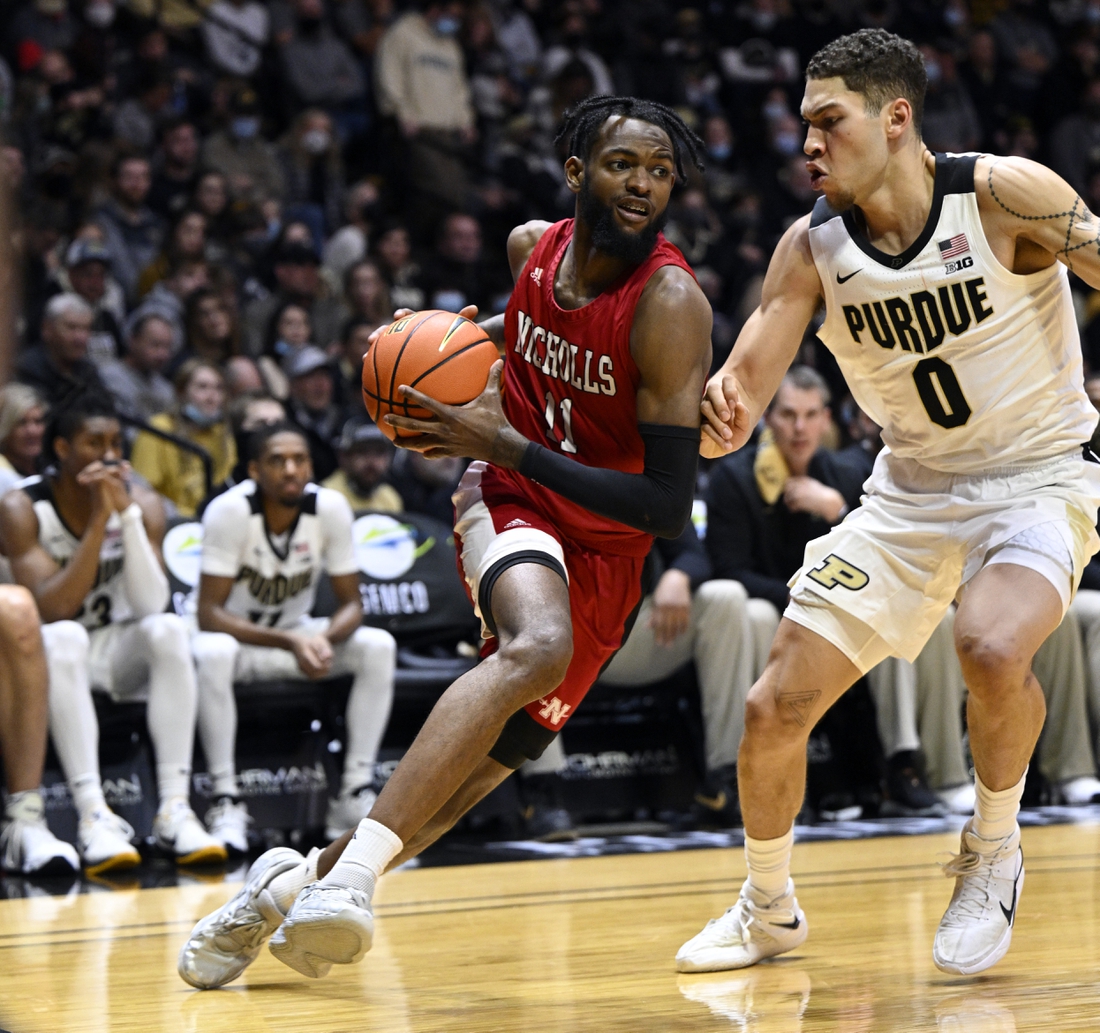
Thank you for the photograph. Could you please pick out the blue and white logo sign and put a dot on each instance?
(183, 552)
(385, 548)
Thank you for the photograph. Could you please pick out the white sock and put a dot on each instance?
(173, 702)
(215, 656)
(365, 858)
(285, 888)
(25, 806)
(225, 783)
(769, 862)
(995, 812)
(87, 792)
(373, 655)
(173, 782)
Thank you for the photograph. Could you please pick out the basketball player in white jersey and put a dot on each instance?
(87, 547)
(265, 544)
(947, 306)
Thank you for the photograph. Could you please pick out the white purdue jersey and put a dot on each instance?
(107, 602)
(275, 577)
(965, 365)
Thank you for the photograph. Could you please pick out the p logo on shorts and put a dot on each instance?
(835, 571)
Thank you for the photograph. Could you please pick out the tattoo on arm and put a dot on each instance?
(1077, 217)
(799, 704)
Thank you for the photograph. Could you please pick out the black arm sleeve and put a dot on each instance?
(657, 500)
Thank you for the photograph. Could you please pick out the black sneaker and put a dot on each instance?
(907, 793)
(716, 801)
(549, 824)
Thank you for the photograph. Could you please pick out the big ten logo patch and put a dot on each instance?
(836, 571)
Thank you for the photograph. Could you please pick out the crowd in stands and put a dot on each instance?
(216, 202)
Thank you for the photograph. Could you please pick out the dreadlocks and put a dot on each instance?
(582, 124)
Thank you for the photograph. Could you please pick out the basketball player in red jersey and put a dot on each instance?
(588, 451)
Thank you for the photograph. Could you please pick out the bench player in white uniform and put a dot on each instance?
(948, 309)
(87, 546)
(265, 543)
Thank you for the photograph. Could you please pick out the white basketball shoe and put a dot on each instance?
(976, 929)
(224, 943)
(325, 926)
(753, 929)
(227, 821)
(30, 848)
(179, 832)
(347, 810)
(103, 839)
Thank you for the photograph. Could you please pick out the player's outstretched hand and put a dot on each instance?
(726, 423)
(476, 430)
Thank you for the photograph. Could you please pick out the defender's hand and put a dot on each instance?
(726, 423)
(477, 430)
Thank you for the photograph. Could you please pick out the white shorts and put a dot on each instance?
(268, 663)
(493, 539)
(118, 657)
(879, 583)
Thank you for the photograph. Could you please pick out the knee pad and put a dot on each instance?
(522, 739)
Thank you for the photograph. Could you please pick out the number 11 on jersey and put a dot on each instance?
(566, 407)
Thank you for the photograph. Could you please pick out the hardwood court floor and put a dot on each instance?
(585, 945)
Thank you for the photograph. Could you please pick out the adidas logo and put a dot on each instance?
(536, 275)
(516, 523)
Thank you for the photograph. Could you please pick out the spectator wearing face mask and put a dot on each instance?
(313, 171)
(238, 151)
(422, 84)
(199, 417)
(319, 68)
(365, 454)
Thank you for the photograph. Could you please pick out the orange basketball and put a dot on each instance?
(444, 356)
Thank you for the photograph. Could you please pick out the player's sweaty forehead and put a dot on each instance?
(633, 136)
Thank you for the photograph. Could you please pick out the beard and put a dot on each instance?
(609, 238)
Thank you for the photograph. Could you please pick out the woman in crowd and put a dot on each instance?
(367, 294)
(22, 424)
(393, 252)
(212, 331)
(200, 418)
(186, 243)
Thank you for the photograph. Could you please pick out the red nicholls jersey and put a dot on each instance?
(571, 384)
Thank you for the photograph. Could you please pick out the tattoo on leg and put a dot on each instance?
(799, 704)
(1078, 217)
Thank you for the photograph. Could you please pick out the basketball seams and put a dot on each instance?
(454, 355)
(372, 393)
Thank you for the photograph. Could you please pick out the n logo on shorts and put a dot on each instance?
(554, 710)
(835, 571)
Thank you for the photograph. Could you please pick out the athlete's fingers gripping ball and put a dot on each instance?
(443, 355)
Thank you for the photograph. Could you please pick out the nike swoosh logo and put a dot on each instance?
(845, 279)
(795, 924)
(715, 803)
(1010, 912)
